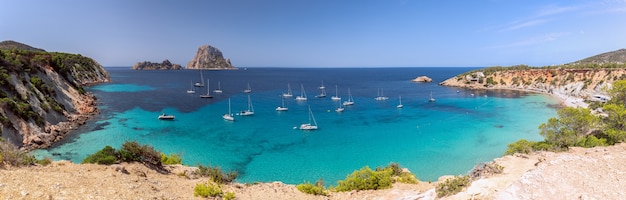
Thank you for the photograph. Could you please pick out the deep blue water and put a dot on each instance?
(445, 137)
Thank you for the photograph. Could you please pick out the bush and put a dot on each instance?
(229, 196)
(106, 156)
(172, 159)
(216, 174)
(208, 189)
(366, 179)
(452, 186)
(520, 146)
(592, 141)
(11, 155)
(317, 189)
(133, 151)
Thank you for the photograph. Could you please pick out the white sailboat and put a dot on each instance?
(248, 89)
(381, 96)
(250, 110)
(282, 107)
(312, 125)
(191, 90)
(219, 88)
(350, 101)
(208, 93)
(200, 84)
(302, 96)
(228, 116)
(288, 94)
(431, 97)
(400, 105)
(336, 97)
(323, 94)
(322, 86)
(339, 109)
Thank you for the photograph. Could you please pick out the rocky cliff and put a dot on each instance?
(165, 65)
(582, 79)
(209, 57)
(42, 96)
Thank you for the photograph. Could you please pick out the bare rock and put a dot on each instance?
(165, 65)
(425, 79)
(209, 57)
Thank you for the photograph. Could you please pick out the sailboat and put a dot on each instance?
(191, 90)
(200, 84)
(282, 108)
(431, 97)
(248, 89)
(339, 109)
(250, 110)
(229, 115)
(350, 101)
(381, 96)
(219, 88)
(336, 97)
(322, 86)
(208, 93)
(312, 125)
(400, 105)
(302, 96)
(288, 94)
(323, 94)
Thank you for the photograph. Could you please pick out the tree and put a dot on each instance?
(571, 126)
(615, 122)
(618, 93)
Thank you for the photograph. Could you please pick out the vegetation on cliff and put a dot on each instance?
(40, 90)
(580, 127)
(165, 65)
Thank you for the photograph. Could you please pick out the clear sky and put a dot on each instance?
(322, 33)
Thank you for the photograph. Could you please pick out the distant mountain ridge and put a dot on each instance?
(10, 45)
(618, 56)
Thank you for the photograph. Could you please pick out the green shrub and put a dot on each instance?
(208, 189)
(366, 179)
(106, 156)
(452, 186)
(592, 141)
(133, 151)
(45, 161)
(216, 174)
(11, 155)
(520, 146)
(315, 189)
(172, 159)
(229, 196)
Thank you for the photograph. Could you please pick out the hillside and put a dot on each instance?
(581, 79)
(42, 95)
(618, 56)
(10, 45)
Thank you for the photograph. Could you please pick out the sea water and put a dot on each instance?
(460, 129)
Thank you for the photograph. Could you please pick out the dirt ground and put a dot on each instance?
(596, 173)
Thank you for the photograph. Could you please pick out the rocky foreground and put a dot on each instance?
(594, 173)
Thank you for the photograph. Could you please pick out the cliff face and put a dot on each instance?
(165, 65)
(42, 95)
(209, 57)
(577, 82)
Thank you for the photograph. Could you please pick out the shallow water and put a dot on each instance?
(445, 137)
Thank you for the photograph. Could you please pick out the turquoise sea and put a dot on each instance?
(447, 137)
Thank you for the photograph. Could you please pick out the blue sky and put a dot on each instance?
(322, 33)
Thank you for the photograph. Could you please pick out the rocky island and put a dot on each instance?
(165, 65)
(209, 57)
(42, 94)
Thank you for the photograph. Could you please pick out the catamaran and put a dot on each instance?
(381, 96)
(282, 108)
(312, 125)
(350, 101)
(208, 93)
(200, 84)
(336, 97)
(400, 105)
(219, 88)
(288, 94)
(228, 116)
(302, 96)
(250, 110)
